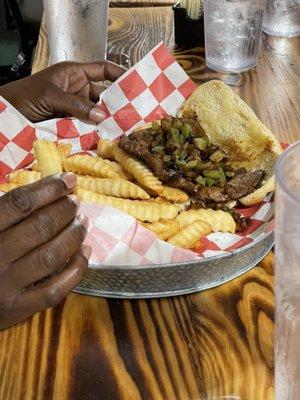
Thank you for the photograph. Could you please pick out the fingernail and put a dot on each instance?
(83, 220)
(75, 199)
(86, 251)
(97, 115)
(69, 179)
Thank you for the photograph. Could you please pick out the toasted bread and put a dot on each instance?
(230, 124)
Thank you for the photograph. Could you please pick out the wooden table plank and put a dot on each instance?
(141, 3)
(202, 346)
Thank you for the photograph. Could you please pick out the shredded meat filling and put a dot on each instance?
(180, 154)
(242, 223)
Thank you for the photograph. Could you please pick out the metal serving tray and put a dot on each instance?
(164, 280)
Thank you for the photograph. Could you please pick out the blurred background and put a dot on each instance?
(19, 28)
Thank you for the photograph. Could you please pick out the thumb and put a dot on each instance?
(78, 107)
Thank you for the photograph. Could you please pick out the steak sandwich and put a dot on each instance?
(217, 150)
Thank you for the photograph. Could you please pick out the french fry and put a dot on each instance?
(106, 148)
(120, 171)
(24, 177)
(160, 200)
(7, 187)
(112, 187)
(187, 237)
(48, 157)
(151, 193)
(94, 166)
(196, 245)
(174, 194)
(64, 149)
(139, 209)
(163, 228)
(219, 220)
(138, 169)
(35, 167)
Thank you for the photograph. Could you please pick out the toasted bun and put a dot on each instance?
(231, 124)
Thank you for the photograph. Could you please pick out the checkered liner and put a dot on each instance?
(156, 86)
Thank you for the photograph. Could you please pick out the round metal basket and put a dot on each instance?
(148, 281)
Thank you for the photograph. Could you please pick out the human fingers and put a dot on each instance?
(40, 227)
(49, 257)
(46, 294)
(19, 203)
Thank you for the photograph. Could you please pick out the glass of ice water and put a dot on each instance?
(232, 34)
(287, 275)
(282, 18)
(77, 29)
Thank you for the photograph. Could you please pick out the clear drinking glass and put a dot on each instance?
(232, 34)
(77, 29)
(282, 18)
(287, 275)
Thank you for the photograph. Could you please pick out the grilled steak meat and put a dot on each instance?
(180, 154)
(242, 223)
(214, 193)
(243, 183)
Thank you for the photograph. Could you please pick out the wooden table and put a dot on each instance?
(141, 3)
(202, 346)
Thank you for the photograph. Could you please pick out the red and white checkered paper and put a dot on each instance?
(155, 87)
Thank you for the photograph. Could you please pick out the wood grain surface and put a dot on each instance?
(140, 3)
(204, 346)
(131, 31)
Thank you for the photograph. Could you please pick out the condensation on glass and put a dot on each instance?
(287, 275)
(232, 34)
(77, 29)
(282, 18)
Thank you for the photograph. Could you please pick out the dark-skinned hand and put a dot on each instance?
(42, 256)
(64, 89)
